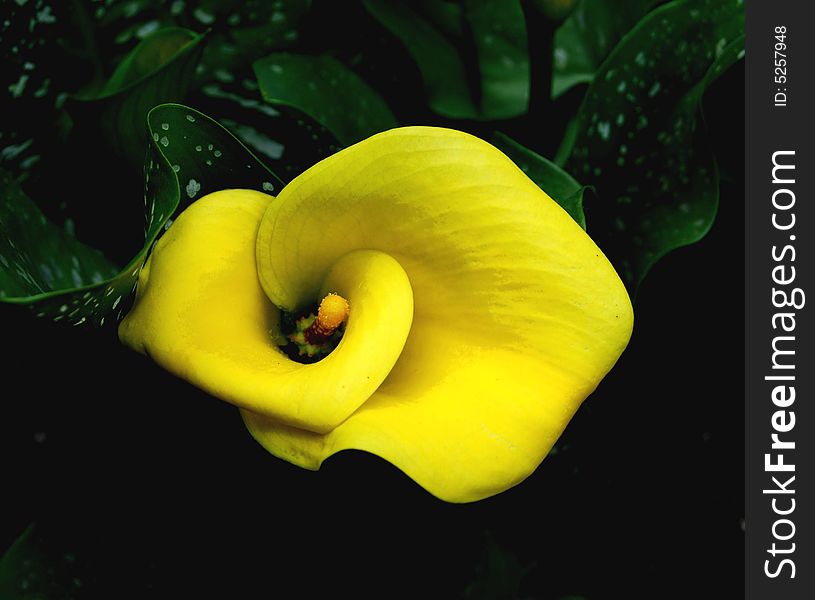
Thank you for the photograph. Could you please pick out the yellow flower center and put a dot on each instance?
(317, 336)
(332, 313)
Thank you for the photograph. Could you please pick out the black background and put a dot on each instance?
(157, 488)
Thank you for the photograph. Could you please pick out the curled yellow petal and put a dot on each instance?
(480, 314)
(201, 313)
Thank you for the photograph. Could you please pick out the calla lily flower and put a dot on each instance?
(479, 314)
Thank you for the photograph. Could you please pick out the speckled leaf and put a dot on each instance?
(190, 155)
(640, 142)
(39, 53)
(124, 19)
(193, 155)
(34, 568)
(36, 256)
(286, 139)
(588, 35)
(51, 272)
(561, 187)
(472, 57)
(244, 31)
(158, 70)
(328, 91)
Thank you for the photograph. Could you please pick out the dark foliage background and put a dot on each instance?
(141, 486)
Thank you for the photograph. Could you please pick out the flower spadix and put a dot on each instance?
(477, 314)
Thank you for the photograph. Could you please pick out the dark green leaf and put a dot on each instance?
(587, 37)
(47, 269)
(473, 57)
(190, 156)
(153, 52)
(437, 57)
(193, 156)
(32, 569)
(328, 91)
(498, 575)
(557, 183)
(640, 141)
(244, 31)
(36, 256)
(287, 140)
(498, 32)
(42, 57)
(125, 20)
(158, 70)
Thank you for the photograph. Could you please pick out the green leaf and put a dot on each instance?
(498, 31)
(55, 275)
(557, 183)
(587, 37)
(640, 142)
(158, 70)
(498, 575)
(287, 140)
(328, 91)
(36, 256)
(42, 60)
(193, 155)
(190, 156)
(244, 31)
(473, 57)
(33, 569)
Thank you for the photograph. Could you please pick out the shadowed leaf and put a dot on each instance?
(244, 31)
(640, 141)
(472, 55)
(160, 69)
(190, 155)
(587, 37)
(286, 139)
(498, 575)
(36, 256)
(34, 568)
(328, 91)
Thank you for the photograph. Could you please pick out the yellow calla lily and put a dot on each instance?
(480, 315)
